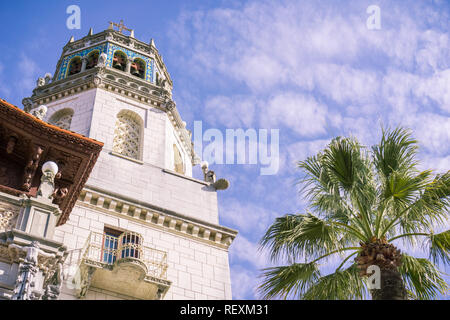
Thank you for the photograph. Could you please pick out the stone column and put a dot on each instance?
(128, 67)
(84, 61)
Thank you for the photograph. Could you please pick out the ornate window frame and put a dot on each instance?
(128, 125)
(63, 114)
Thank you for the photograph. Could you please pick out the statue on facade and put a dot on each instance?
(40, 112)
(31, 167)
(27, 104)
(24, 288)
(40, 82)
(53, 285)
(47, 78)
(102, 60)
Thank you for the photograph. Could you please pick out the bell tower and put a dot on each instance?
(141, 195)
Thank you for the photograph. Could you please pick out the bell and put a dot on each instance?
(118, 63)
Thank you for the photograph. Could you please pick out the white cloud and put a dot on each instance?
(29, 71)
(246, 251)
(244, 282)
(300, 113)
(313, 70)
(232, 112)
(4, 89)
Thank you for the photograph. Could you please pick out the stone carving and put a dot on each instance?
(127, 136)
(24, 288)
(97, 80)
(40, 82)
(62, 119)
(11, 144)
(47, 78)
(169, 104)
(27, 104)
(102, 60)
(31, 167)
(59, 194)
(47, 186)
(40, 112)
(53, 285)
(8, 219)
(85, 281)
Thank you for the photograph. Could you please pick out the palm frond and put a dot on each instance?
(285, 281)
(395, 152)
(422, 278)
(301, 235)
(340, 285)
(440, 247)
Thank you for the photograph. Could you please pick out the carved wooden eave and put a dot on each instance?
(36, 142)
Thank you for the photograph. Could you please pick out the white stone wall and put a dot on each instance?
(82, 105)
(197, 269)
(145, 181)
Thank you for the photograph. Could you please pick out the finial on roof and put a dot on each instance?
(152, 43)
(91, 32)
(120, 27)
(132, 34)
(72, 39)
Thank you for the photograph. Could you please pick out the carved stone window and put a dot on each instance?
(127, 135)
(178, 160)
(74, 66)
(62, 118)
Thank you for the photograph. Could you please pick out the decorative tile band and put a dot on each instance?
(109, 49)
(64, 65)
(131, 55)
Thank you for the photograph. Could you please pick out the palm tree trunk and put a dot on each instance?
(392, 286)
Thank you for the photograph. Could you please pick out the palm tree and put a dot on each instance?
(361, 203)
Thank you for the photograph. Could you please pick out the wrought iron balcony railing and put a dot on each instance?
(108, 250)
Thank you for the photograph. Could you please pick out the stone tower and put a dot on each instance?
(143, 227)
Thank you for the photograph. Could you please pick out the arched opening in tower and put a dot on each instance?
(74, 66)
(138, 68)
(119, 60)
(92, 60)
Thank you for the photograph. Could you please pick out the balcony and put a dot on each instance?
(122, 264)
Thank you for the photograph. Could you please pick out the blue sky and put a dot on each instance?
(311, 69)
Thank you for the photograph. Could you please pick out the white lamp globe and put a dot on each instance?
(204, 164)
(50, 166)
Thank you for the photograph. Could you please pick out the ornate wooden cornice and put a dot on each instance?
(36, 143)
